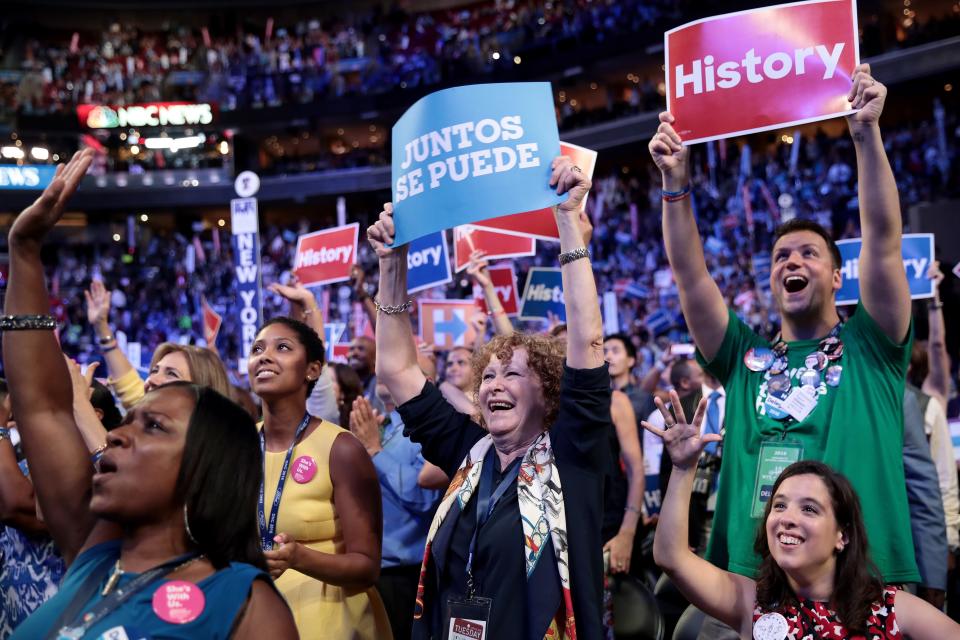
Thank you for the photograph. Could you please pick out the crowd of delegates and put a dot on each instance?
(267, 64)
(324, 533)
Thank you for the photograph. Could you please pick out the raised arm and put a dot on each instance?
(303, 304)
(397, 366)
(700, 297)
(358, 280)
(481, 275)
(937, 382)
(883, 281)
(584, 326)
(625, 422)
(40, 388)
(721, 594)
(98, 313)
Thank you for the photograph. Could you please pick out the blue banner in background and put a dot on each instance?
(428, 262)
(543, 295)
(245, 228)
(471, 153)
(917, 258)
(27, 176)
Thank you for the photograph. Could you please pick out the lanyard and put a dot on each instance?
(267, 533)
(486, 502)
(80, 624)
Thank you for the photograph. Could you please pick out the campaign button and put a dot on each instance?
(809, 377)
(833, 375)
(178, 602)
(758, 359)
(780, 349)
(779, 386)
(304, 469)
(770, 626)
(780, 364)
(816, 360)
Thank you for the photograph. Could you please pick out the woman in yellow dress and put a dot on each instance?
(325, 559)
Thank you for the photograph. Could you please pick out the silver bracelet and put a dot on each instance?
(392, 310)
(575, 254)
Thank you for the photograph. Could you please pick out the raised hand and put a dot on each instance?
(365, 425)
(866, 94)
(669, 154)
(682, 439)
(33, 224)
(294, 292)
(358, 280)
(568, 178)
(381, 233)
(82, 382)
(934, 273)
(477, 268)
(98, 303)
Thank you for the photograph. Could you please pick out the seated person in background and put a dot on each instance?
(815, 580)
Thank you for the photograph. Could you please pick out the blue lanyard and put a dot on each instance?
(267, 533)
(486, 502)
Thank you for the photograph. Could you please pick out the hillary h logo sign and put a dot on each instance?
(543, 295)
(446, 323)
(470, 153)
(326, 256)
(428, 262)
(917, 257)
(791, 63)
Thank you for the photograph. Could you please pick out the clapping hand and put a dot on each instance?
(682, 439)
(365, 425)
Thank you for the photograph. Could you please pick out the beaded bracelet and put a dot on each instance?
(573, 254)
(27, 322)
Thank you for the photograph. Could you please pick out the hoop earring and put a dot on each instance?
(186, 525)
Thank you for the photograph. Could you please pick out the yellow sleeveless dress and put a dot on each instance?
(307, 513)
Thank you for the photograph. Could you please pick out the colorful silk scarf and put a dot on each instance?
(540, 500)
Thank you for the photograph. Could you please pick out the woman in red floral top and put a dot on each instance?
(815, 581)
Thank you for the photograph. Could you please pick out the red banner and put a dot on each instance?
(326, 256)
(446, 323)
(504, 280)
(761, 69)
(540, 224)
(467, 239)
(211, 323)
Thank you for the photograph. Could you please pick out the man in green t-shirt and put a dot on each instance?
(825, 390)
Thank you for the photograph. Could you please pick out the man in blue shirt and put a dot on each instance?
(407, 507)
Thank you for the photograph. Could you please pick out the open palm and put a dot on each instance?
(40, 217)
(682, 439)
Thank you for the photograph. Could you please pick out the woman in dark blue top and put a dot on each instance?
(161, 541)
(515, 546)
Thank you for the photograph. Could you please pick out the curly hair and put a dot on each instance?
(856, 585)
(544, 359)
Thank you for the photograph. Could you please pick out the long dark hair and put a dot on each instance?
(219, 479)
(856, 582)
(351, 388)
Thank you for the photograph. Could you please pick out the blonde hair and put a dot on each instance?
(206, 368)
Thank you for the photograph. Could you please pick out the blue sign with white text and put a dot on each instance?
(917, 258)
(471, 153)
(428, 264)
(26, 176)
(543, 295)
(245, 228)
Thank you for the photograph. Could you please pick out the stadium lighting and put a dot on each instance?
(224, 147)
(496, 55)
(39, 153)
(116, 237)
(221, 222)
(134, 149)
(516, 59)
(144, 217)
(13, 153)
(174, 144)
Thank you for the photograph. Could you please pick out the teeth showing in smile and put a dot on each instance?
(500, 406)
(789, 540)
(265, 373)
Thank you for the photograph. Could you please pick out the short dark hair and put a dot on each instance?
(856, 582)
(307, 337)
(682, 368)
(803, 224)
(627, 343)
(102, 399)
(219, 479)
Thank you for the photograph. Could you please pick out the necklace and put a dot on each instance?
(117, 571)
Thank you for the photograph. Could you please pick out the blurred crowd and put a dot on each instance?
(157, 291)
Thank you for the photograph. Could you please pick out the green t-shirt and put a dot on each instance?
(856, 428)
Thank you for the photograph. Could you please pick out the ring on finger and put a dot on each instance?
(575, 169)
